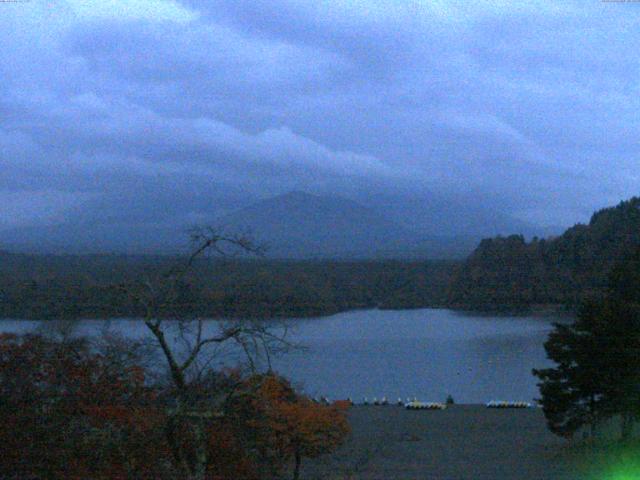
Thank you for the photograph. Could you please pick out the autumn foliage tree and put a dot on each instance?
(67, 412)
(282, 427)
(71, 411)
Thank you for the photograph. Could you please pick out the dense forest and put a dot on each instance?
(508, 273)
(68, 286)
(502, 274)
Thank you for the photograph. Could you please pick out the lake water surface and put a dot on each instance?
(424, 353)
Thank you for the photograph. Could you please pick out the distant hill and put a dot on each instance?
(509, 272)
(301, 225)
(295, 225)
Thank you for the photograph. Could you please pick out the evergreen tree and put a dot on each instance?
(598, 359)
(624, 280)
(623, 354)
(572, 392)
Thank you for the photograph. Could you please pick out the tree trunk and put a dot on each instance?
(296, 470)
(194, 459)
(593, 424)
(626, 426)
(201, 457)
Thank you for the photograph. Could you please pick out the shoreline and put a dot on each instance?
(549, 310)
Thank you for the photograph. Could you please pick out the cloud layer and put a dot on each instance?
(167, 111)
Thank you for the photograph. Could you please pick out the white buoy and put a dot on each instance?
(507, 404)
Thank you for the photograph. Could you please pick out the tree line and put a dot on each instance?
(502, 274)
(509, 273)
(95, 286)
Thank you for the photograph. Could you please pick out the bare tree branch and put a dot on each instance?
(159, 295)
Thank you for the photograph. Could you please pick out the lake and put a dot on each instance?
(425, 353)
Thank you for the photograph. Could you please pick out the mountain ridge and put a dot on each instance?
(303, 225)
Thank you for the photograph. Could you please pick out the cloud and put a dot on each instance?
(153, 10)
(191, 108)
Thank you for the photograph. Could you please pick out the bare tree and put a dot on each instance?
(190, 359)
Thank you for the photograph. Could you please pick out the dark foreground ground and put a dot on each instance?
(463, 442)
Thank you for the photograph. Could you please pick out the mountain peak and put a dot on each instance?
(302, 224)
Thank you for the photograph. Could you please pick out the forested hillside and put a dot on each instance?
(51, 286)
(502, 274)
(510, 273)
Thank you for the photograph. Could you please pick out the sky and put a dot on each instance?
(167, 112)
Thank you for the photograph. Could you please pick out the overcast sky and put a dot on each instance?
(171, 111)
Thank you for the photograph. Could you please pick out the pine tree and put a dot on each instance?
(572, 392)
(597, 374)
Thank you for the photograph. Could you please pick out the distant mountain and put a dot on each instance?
(295, 225)
(506, 272)
(299, 224)
(302, 225)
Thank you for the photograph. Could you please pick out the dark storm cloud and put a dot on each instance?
(162, 111)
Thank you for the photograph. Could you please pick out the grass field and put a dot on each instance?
(464, 442)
